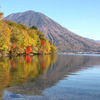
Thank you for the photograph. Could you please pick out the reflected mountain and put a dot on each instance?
(64, 66)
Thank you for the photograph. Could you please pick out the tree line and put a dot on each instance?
(18, 39)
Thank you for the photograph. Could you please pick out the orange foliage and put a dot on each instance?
(28, 50)
(13, 46)
(42, 65)
(12, 64)
(28, 59)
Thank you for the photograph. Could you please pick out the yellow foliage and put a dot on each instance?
(18, 69)
(4, 37)
(22, 36)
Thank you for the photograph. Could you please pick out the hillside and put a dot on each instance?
(18, 39)
(65, 40)
(98, 41)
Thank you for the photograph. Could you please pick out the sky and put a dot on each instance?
(79, 16)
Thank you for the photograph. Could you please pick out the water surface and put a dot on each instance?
(50, 77)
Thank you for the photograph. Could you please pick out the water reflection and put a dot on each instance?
(16, 70)
(32, 75)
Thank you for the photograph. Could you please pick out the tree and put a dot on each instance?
(1, 14)
(4, 37)
(19, 39)
(34, 27)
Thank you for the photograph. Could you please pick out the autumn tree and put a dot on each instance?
(4, 36)
(1, 14)
(19, 39)
(34, 27)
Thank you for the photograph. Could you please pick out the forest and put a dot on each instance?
(17, 39)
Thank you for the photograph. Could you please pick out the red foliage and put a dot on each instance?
(30, 46)
(13, 46)
(42, 43)
(42, 65)
(12, 64)
(28, 50)
(28, 58)
(46, 49)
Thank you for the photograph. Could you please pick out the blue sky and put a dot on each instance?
(79, 16)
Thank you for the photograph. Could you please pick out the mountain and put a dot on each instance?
(98, 41)
(62, 38)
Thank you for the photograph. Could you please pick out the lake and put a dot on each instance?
(50, 77)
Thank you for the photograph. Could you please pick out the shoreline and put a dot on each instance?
(15, 55)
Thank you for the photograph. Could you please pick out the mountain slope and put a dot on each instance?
(65, 40)
(98, 41)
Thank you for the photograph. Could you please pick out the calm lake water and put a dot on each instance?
(50, 77)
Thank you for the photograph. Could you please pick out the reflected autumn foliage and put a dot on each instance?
(28, 59)
(50, 76)
(16, 70)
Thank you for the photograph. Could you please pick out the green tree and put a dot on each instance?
(34, 27)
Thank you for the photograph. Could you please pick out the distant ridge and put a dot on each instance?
(98, 41)
(65, 40)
